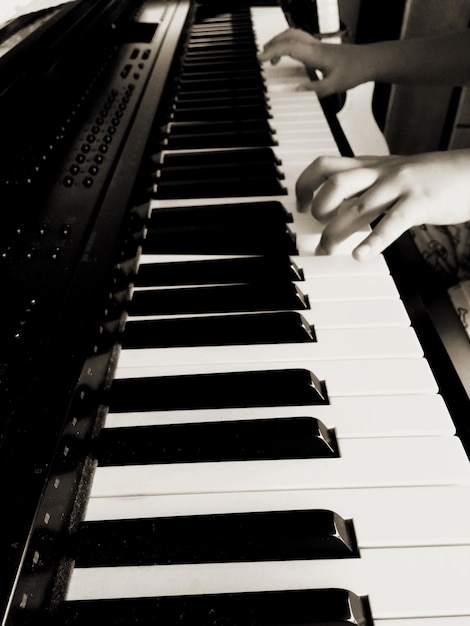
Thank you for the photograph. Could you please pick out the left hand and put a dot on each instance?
(342, 67)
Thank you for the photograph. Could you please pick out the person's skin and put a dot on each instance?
(345, 193)
(431, 188)
(434, 60)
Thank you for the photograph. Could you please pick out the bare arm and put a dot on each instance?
(436, 60)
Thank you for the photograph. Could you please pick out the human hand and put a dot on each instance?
(342, 66)
(347, 194)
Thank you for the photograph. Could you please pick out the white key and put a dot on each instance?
(382, 517)
(350, 417)
(343, 378)
(340, 266)
(358, 314)
(331, 344)
(393, 517)
(430, 621)
(387, 462)
(388, 577)
(338, 288)
(320, 266)
(327, 315)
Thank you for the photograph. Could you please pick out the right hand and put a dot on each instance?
(347, 194)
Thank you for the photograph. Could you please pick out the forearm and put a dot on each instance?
(434, 60)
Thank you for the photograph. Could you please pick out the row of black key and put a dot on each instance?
(230, 285)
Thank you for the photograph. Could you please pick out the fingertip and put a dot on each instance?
(362, 252)
(303, 197)
(369, 248)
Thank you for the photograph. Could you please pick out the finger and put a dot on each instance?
(348, 220)
(393, 224)
(272, 47)
(316, 174)
(359, 210)
(285, 38)
(320, 169)
(296, 44)
(355, 175)
(264, 55)
(338, 187)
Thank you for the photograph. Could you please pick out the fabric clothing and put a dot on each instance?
(447, 250)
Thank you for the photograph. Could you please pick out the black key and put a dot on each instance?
(207, 45)
(262, 269)
(193, 173)
(213, 110)
(230, 238)
(236, 28)
(217, 73)
(228, 94)
(255, 212)
(222, 97)
(236, 537)
(191, 107)
(222, 60)
(242, 440)
(226, 41)
(217, 112)
(290, 387)
(250, 329)
(197, 84)
(304, 607)
(212, 127)
(205, 64)
(213, 158)
(218, 299)
(224, 134)
(234, 187)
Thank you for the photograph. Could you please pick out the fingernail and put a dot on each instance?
(320, 251)
(362, 252)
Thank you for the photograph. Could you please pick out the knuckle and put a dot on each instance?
(328, 240)
(333, 181)
(322, 162)
(405, 176)
(399, 215)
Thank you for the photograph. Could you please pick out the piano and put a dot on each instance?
(203, 422)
